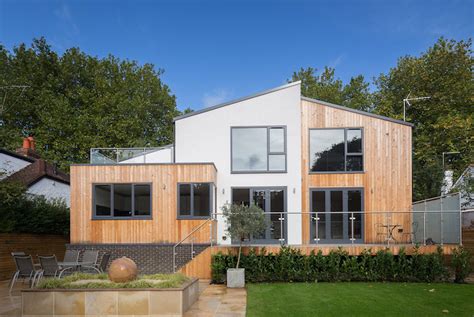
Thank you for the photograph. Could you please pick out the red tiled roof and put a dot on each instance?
(36, 171)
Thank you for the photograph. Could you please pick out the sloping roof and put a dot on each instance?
(236, 100)
(36, 171)
(464, 174)
(369, 114)
(18, 156)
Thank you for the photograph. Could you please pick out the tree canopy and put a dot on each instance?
(73, 102)
(443, 123)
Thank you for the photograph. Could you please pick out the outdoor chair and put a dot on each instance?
(24, 269)
(50, 267)
(92, 256)
(18, 253)
(71, 256)
(381, 231)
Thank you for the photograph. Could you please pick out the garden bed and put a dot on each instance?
(88, 294)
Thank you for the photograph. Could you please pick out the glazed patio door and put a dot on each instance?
(273, 202)
(337, 215)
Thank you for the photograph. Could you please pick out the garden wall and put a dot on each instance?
(34, 244)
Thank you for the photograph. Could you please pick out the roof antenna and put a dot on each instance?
(406, 102)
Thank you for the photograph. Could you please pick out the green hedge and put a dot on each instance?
(23, 213)
(289, 265)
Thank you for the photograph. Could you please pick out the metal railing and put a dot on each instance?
(425, 227)
(121, 155)
(190, 236)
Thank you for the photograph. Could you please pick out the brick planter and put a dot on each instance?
(109, 302)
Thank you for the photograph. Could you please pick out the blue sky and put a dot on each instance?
(214, 51)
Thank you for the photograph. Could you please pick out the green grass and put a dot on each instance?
(166, 281)
(360, 299)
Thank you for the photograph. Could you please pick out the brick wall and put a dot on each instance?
(150, 258)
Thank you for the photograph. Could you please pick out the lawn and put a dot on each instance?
(360, 299)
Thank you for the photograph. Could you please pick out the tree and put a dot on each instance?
(442, 123)
(75, 101)
(243, 222)
(326, 87)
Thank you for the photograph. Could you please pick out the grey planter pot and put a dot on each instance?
(235, 278)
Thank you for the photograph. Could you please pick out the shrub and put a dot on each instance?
(290, 265)
(461, 263)
(23, 213)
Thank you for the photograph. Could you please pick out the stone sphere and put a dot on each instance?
(122, 270)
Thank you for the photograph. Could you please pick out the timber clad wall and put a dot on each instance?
(387, 176)
(33, 244)
(162, 228)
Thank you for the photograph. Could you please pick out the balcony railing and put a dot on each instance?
(120, 155)
(375, 227)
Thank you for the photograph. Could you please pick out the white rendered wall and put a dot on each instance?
(164, 155)
(10, 165)
(205, 137)
(51, 189)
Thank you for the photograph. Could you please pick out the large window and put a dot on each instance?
(336, 150)
(121, 201)
(258, 149)
(194, 200)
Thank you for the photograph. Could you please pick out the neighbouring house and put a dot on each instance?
(465, 186)
(325, 175)
(26, 167)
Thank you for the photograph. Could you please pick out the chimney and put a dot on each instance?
(28, 148)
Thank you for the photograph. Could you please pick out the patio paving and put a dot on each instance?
(214, 301)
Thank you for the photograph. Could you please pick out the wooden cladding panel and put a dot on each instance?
(163, 228)
(387, 176)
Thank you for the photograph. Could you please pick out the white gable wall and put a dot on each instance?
(50, 189)
(206, 137)
(10, 164)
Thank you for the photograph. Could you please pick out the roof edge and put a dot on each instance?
(258, 94)
(365, 113)
(16, 155)
(145, 164)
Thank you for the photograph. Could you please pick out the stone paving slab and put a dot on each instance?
(214, 301)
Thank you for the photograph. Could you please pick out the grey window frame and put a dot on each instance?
(112, 217)
(192, 216)
(285, 215)
(345, 171)
(269, 153)
(327, 192)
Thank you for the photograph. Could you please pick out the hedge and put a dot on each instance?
(290, 265)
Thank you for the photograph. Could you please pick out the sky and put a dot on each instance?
(216, 51)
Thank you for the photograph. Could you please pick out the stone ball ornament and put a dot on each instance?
(123, 270)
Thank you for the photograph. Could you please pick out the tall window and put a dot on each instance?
(121, 201)
(194, 200)
(258, 149)
(336, 150)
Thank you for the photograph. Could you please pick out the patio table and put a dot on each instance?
(78, 265)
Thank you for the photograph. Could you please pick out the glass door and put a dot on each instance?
(273, 202)
(336, 215)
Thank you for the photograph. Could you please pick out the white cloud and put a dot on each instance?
(335, 62)
(216, 97)
(64, 14)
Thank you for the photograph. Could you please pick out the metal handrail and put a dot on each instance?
(196, 229)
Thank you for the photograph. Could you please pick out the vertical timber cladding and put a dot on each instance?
(387, 176)
(162, 228)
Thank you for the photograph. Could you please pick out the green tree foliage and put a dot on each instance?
(326, 87)
(75, 101)
(23, 213)
(442, 123)
(243, 222)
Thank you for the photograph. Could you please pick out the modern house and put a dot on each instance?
(325, 175)
(25, 166)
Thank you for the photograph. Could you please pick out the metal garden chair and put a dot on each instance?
(24, 269)
(50, 268)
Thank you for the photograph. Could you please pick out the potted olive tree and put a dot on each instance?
(242, 222)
